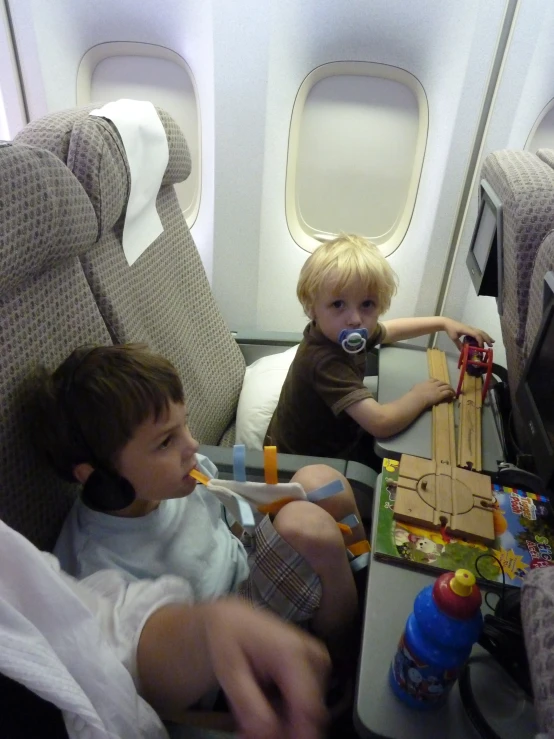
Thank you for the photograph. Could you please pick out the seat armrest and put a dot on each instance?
(256, 344)
(287, 464)
(361, 477)
(372, 363)
(278, 338)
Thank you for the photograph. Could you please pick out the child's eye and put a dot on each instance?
(337, 304)
(166, 442)
(368, 304)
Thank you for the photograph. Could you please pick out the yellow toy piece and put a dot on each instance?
(270, 465)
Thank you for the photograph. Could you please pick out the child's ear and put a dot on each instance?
(82, 472)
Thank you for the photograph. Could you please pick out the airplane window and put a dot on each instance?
(356, 150)
(542, 133)
(148, 72)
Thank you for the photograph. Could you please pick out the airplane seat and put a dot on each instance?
(46, 310)
(164, 298)
(536, 607)
(544, 263)
(547, 156)
(525, 186)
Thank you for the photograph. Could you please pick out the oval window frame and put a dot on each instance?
(304, 235)
(96, 54)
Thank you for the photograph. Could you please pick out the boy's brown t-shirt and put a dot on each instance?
(323, 380)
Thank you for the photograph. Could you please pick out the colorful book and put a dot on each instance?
(523, 524)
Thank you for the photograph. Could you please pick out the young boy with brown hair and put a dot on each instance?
(324, 408)
(114, 418)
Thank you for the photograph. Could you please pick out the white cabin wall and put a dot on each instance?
(12, 112)
(450, 49)
(525, 86)
(241, 41)
(249, 60)
(53, 36)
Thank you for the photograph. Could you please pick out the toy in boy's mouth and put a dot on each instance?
(353, 340)
(198, 476)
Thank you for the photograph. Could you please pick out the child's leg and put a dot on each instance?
(313, 533)
(340, 505)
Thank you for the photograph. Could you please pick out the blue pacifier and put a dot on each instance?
(353, 340)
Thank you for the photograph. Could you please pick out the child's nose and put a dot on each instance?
(190, 445)
(354, 318)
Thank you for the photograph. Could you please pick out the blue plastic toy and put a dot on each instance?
(353, 340)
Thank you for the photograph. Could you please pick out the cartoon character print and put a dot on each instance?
(424, 683)
(407, 543)
(402, 663)
(415, 684)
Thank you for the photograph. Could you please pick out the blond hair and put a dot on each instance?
(346, 260)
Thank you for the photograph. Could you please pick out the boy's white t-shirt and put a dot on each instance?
(183, 536)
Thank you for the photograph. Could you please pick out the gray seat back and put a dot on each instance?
(46, 310)
(544, 262)
(547, 156)
(525, 186)
(164, 298)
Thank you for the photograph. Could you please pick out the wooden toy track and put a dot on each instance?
(469, 431)
(444, 441)
(436, 494)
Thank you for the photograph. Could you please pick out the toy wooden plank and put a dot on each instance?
(469, 432)
(478, 521)
(441, 496)
(444, 442)
(410, 505)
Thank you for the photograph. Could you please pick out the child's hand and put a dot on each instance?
(433, 391)
(455, 330)
(273, 674)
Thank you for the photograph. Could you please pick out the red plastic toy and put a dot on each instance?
(475, 359)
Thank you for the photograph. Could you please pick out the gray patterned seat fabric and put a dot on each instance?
(164, 298)
(46, 309)
(544, 262)
(525, 186)
(538, 589)
(547, 155)
(537, 612)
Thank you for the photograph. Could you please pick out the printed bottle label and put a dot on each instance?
(426, 684)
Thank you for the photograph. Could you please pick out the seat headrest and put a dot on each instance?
(547, 156)
(525, 186)
(92, 149)
(45, 215)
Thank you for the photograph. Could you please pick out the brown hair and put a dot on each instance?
(90, 407)
(342, 261)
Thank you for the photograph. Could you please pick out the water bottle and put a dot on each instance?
(439, 634)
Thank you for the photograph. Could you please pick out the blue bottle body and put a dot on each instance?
(431, 652)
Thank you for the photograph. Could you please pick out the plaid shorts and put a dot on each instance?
(280, 579)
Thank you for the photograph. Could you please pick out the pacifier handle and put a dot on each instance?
(353, 340)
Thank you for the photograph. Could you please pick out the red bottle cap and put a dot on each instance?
(457, 595)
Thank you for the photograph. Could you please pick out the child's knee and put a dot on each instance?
(315, 476)
(311, 531)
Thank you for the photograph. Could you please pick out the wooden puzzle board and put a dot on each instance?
(434, 495)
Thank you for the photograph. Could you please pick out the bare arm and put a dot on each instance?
(184, 651)
(385, 419)
(399, 329)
